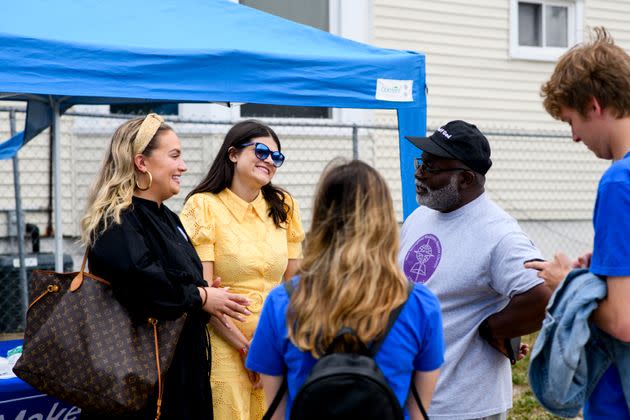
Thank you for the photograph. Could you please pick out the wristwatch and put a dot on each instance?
(484, 330)
(510, 345)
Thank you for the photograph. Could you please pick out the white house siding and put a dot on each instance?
(547, 183)
(469, 72)
(614, 15)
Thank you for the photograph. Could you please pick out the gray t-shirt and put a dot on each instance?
(472, 259)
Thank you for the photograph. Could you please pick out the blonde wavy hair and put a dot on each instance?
(349, 276)
(115, 183)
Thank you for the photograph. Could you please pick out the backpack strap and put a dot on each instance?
(276, 400)
(376, 346)
(416, 397)
(393, 316)
(288, 286)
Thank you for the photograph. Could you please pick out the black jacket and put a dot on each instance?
(154, 271)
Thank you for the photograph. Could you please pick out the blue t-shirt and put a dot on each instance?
(415, 343)
(611, 257)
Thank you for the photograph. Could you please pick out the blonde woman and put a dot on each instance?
(141, 247)
(350, 278)
(248, 235)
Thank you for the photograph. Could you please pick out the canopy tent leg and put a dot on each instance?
(411, 122)
(20, 225)
(57, 185)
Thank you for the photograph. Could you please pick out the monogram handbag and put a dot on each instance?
(81, 346)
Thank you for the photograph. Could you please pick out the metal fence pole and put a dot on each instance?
(20, 224)
(355, 142)
(57, 186)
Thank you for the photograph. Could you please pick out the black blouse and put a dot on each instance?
(154, 271)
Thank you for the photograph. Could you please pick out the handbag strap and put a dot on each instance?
(85, 258)
(77, 281)
(158, 412)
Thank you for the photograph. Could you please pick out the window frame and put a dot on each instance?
(175, 105)
(575, 15)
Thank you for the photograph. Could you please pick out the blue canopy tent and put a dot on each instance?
(57, 54)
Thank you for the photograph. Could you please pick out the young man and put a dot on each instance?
(590, 90)
(470, 253)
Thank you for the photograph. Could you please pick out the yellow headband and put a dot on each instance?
(148, 128)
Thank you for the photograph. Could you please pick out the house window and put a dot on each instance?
(542, 29)
(161, 108)
(315, 13)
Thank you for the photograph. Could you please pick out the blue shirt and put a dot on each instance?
(611, 257)
(415, 343)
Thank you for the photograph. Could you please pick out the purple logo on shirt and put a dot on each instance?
(422, 259)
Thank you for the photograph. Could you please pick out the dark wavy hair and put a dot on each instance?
(221, 173)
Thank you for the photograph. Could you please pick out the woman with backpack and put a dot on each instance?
(349, 336)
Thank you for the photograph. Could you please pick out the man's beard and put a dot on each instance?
(441, 199)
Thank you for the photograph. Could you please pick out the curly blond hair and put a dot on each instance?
(598, 69)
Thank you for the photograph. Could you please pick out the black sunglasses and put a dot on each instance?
(262, 152)
(425, 170)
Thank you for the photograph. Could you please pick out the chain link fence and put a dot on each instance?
(541, 179)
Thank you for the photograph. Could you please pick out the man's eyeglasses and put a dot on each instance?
(425, 170)
(262, 152)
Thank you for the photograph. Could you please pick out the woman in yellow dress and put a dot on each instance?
(248, 234)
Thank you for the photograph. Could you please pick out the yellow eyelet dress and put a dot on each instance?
(250, 254)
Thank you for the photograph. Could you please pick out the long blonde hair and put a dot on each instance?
(114, 185)
(349, 276)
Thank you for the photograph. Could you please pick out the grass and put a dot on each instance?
(525, 405)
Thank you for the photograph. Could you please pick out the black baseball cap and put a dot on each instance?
(458, 140)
